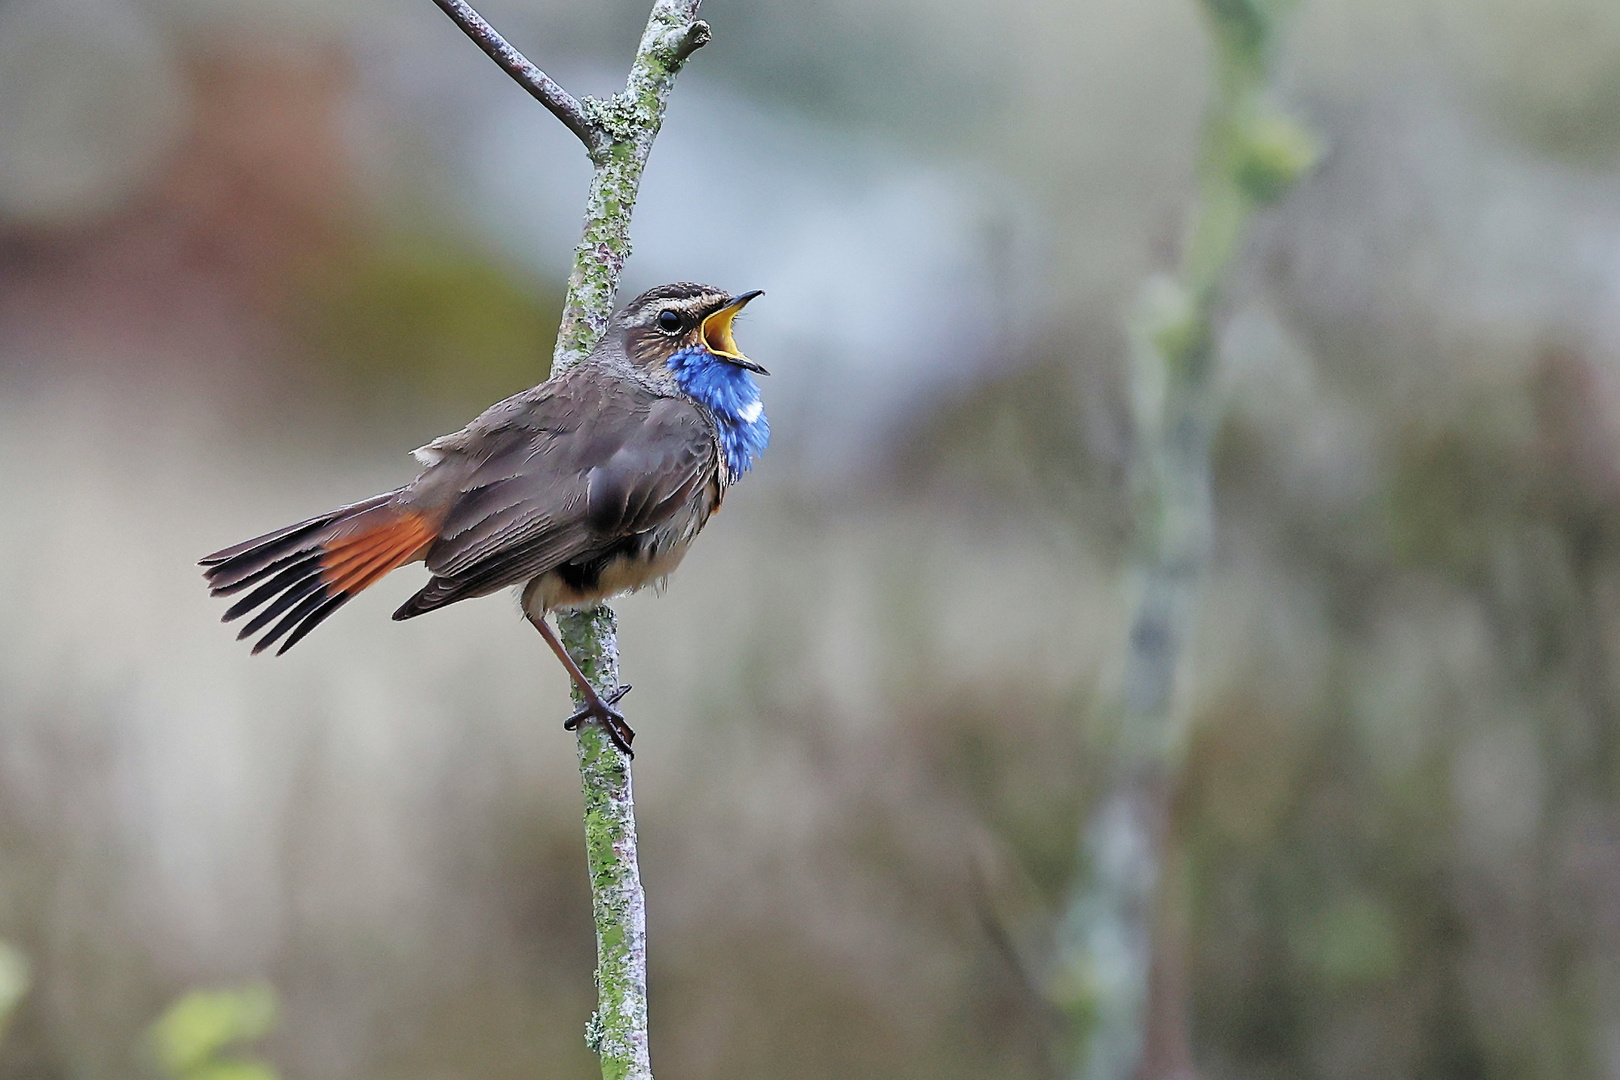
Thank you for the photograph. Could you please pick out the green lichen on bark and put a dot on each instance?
(618, 1029)
(629, 123)
(630, 120)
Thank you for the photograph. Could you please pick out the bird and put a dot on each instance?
(591, 484)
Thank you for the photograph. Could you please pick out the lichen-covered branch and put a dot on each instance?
(631, 120)
(545, 89)
(618, 1029)
(1117, 914)
(618, 134)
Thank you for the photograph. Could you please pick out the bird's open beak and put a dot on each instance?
(717, 333)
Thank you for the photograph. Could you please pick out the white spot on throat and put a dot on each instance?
(750, 412)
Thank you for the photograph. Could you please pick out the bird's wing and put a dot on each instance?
(591, 462)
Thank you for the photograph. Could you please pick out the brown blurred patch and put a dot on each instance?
(258, 189)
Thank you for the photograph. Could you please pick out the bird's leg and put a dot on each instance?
(618, 729)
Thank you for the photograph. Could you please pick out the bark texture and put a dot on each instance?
(618, 135)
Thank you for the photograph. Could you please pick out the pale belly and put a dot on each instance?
(623, 574)
(642, 561)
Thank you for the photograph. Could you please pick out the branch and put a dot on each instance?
(617, 1030)
(697, 35)
(619, 134)
(1251, 155)
(631, 119)
(546, 90)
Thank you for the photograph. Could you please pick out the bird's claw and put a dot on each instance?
(612, 721)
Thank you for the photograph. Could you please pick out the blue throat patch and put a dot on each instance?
(732, 395)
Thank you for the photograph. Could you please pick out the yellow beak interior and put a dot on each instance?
(717, 331)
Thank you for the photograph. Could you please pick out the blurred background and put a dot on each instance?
(251, 253)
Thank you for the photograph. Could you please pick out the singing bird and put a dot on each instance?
(589, 485)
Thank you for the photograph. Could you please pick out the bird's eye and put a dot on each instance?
(669, 321)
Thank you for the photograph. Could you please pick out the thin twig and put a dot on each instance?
(697, 35)
(618, 134)
(546, 90)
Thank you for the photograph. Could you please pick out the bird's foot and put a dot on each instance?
(612, 721)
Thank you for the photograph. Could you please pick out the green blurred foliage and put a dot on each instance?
(202, 1035)
(1355, 941)
(16, 977)
(412, 319)
(1274, 151)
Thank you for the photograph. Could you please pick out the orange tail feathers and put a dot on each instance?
(307, 571)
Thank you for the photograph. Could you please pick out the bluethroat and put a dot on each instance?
(589, 485)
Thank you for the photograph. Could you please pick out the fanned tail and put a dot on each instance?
(306, 571)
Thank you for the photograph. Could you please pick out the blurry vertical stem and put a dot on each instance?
(618, 134)
(1122, 938)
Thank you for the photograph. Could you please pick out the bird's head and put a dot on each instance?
(679, 318)
(682, 333)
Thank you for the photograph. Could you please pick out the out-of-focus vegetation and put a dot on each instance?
(201, 1036)
(394, 323)
(15, 979)
(875, 705)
